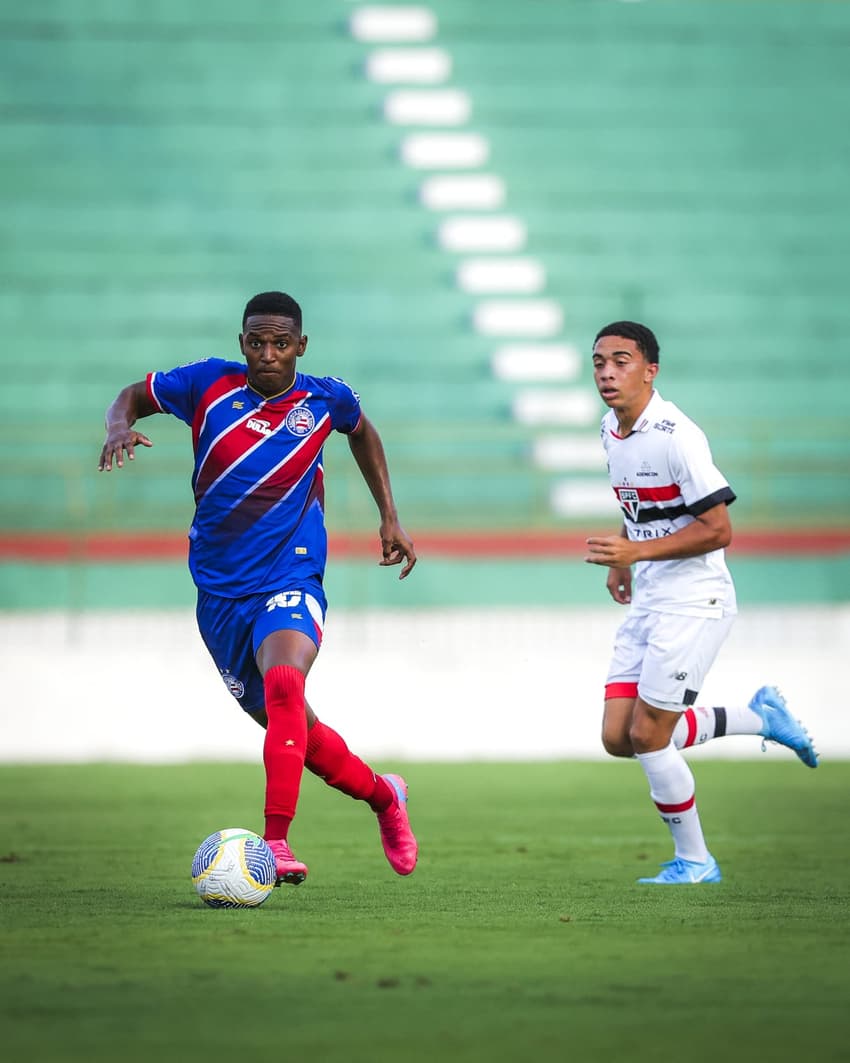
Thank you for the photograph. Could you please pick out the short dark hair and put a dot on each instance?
(644, 337)
(278, 303)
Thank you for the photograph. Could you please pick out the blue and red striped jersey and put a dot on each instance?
(258, 479)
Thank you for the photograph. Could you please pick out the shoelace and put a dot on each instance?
(283, 851)
(391, 821)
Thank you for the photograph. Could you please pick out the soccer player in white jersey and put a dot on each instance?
(675, 527)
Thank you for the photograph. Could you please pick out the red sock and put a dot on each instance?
(284, 746)
(330, 758)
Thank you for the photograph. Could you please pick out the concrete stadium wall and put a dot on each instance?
(454, 684)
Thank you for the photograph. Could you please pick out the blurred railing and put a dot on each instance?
(473, 477)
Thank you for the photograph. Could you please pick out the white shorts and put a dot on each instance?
(664, 657)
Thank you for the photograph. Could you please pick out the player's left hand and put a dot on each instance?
(397, 546)
(611, 550)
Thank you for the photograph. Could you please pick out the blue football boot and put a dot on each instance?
(778, 725)
(679, 872)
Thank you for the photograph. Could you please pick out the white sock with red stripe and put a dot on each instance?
(699, 725)
(671, 787)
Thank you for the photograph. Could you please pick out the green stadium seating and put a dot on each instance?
(679, 163)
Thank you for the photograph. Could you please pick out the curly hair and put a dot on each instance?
(277, 303)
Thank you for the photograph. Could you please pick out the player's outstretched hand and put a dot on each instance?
(117, 441)
(397, 546)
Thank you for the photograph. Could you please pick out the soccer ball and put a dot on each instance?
(234, 868)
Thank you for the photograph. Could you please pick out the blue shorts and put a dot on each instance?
(233, 628)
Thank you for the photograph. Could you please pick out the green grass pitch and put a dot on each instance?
(521, 936)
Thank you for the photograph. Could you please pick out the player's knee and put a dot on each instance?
(651, 727)
(646, 735)
(616, 744)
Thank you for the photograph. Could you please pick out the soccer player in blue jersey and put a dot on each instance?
(675, 527)
(258, 547)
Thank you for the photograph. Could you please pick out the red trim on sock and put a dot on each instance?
(620, 690)
(691, 720)
(284, 746)
(683, 807)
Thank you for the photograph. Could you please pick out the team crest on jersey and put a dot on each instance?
(300, 421)
(629, 500)
(235, 686)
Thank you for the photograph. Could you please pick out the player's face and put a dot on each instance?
(271, 346)
(623, 376)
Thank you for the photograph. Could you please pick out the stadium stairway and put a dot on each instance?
(673, 163)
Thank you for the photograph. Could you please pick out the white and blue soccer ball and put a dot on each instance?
(234, 868)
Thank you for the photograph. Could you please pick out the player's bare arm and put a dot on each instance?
(709, 531)
(368, 451)
(130, 404)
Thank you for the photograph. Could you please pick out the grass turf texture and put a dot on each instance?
(521, 935)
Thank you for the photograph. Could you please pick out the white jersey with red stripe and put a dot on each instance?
(664, 477)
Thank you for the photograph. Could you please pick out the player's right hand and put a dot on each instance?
(117, 441)
(397, 546)
(619, 584)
